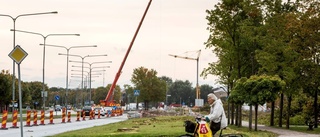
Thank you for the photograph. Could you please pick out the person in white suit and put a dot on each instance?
(216, 115)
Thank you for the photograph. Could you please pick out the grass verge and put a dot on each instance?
(163, 126)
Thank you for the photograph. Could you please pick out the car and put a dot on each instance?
(57, 108)
(87, 110)
(69, 107)
(102, 111)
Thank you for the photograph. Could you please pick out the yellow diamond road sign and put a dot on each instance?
(18, 54)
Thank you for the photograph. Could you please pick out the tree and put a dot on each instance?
(168, 83)
(129, 94)
(99, 94)
(233, 29)
(257, 90)
(152, 89)
(5, 88)
(35, 90)
(180, 91)
(205, 90)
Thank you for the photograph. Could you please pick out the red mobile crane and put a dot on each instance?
(109, 98)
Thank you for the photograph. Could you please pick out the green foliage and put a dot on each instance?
(5, 87)
(180, 91)
(297, 120)
(152, 89)
(256, 90)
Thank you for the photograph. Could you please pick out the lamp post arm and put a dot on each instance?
(82, 46)
(28, 32)
(96, 55)
(53, 12)
(54, 46)
(8, 16)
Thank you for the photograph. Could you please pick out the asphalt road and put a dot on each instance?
(57, 127)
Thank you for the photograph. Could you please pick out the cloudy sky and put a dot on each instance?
(171, 27)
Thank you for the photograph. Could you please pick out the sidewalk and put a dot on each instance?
(281, 132)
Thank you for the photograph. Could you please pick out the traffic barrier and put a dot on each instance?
(35, 118)
(4, 120)
(28, 119)
(78, 116)
(42, 118)
(69, 117)
(14, 119)
(98, 114)
(91, 117)
(83, 115)
(51, 117)
(63, 115)
(93, 114)
(113, 113)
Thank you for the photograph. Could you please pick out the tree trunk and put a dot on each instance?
(240, 116)
(250, 118)
(272, 114)
(237, 115)
(256, 118)
(316, 113)
(281, 110)
(232, 113)
(288, 111)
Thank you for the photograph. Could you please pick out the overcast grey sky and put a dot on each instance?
(170, 27)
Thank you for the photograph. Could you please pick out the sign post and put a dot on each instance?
(136, 93)
(18, 54)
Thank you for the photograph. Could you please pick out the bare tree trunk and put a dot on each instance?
(288, 111)
(237, 115)
(232, 113)
(316, 112)
(250, 118)
(240, 116)
(256, 118)
(272, 114)
(281, 110)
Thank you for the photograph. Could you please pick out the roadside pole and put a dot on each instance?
(18, 54)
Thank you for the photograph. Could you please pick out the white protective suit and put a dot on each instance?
(216, 110)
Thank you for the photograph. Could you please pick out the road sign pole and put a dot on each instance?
(18, 54)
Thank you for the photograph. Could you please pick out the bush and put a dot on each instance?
(297, 120)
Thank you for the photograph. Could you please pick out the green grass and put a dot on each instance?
(164, 126)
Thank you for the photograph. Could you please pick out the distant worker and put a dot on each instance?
(217, 116)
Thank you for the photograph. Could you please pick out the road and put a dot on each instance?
(57, 127)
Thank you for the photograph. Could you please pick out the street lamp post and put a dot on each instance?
(68, 49)
(44, 54)
(82, 58)
(88, 76)
(14, 19)
(90, 64)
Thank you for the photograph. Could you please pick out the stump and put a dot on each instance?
(125, 129)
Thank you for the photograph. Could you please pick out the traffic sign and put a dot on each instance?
(57, 97)
(136, 92)
(18, 54)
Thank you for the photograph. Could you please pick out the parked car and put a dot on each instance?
(69, 107)
(57, 108)
(102, 111)
(87, 110)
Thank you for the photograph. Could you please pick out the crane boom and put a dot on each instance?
(108, 100)
(197, 59)
(185, 57)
